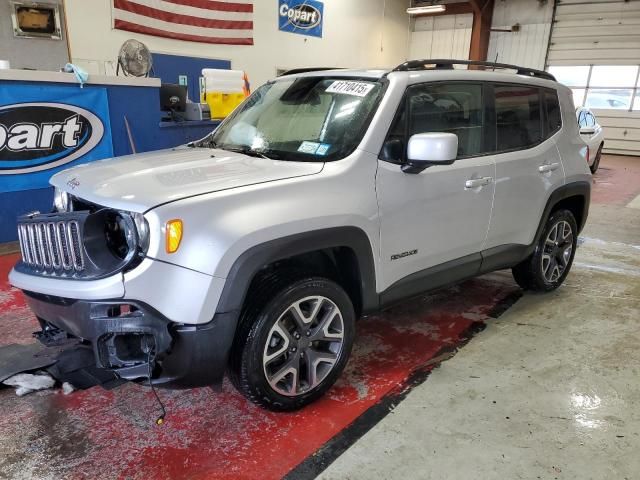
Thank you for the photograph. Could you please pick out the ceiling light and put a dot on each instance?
(426, 10)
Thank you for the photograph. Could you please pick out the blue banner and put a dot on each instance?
(301, 16)
(45, 129)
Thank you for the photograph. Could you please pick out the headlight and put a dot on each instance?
(142, 228)
(60, 200)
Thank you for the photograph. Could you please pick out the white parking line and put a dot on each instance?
(635, 203)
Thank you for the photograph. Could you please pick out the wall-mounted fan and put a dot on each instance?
(135, 59)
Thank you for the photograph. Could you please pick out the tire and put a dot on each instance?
(272, 339)
(538, 271)
(596, 162)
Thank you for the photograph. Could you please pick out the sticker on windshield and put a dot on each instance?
(308, 147)
(323, 149)
(314, 148)
(348, 87)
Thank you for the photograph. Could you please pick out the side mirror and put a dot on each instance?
(587, 130)
(427, 149)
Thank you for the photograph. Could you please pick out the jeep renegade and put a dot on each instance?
(326, 195)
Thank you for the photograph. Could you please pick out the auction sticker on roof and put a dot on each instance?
(348, 87)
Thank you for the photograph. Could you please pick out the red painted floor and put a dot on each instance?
(111, 434)
(617, 181)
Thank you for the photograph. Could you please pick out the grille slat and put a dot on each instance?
(74, 244)
(22, 237)
(43, 245)
(33, 244)
(52, 246)
(61, 231)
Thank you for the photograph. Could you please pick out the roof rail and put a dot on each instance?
(444, 64)
(306, 70)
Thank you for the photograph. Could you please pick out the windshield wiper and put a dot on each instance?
(251, 152)
(203, 143)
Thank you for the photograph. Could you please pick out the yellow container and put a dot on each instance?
(222, 104)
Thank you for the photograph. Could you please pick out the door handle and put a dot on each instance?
(549, 167)
(477, 182)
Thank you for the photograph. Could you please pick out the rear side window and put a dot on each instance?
(554, 121)
(518, 117)
(438, 107)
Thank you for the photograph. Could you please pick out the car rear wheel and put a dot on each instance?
(549, 264)
(293, 341)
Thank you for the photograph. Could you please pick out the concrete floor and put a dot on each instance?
(550, 389)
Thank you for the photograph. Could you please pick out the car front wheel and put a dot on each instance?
(294, 339)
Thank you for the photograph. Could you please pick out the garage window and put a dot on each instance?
(601, 86)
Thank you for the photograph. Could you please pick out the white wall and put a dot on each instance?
(446, 36)
(357, 33)
(449, 36)
(528, 47)
(35, 53)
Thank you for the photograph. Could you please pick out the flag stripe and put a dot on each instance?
(194, 11)
(137, 28)
(214, 5)
(157, 24)
(206, 21)
(177, 18)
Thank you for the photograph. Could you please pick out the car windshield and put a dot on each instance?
(300, 119)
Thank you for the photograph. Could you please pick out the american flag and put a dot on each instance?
(207, 21)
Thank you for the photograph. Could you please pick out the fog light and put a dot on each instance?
(173, 235)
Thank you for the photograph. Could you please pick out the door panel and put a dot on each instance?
(524, 181)
(432, 213)
(531, 169)
(442, 213)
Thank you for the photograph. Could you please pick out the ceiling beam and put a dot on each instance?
(481, 29)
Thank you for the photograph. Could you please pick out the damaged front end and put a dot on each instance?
(85, 251)
(135, 342)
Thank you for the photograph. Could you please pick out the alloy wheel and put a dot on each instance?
(558, 247)
(303, 345)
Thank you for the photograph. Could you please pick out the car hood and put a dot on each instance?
(142, 181)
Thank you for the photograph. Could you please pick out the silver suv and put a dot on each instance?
(325, 196)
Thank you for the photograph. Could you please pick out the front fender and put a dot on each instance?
(250, 262)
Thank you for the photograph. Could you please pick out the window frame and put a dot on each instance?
(404, 104)
(490, 126)
(543, 115)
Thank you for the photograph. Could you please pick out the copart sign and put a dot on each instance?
(38, 138)
(301, 16)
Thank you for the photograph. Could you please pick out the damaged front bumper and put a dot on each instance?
(130, 338)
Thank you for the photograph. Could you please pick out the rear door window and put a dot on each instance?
(518, 117)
